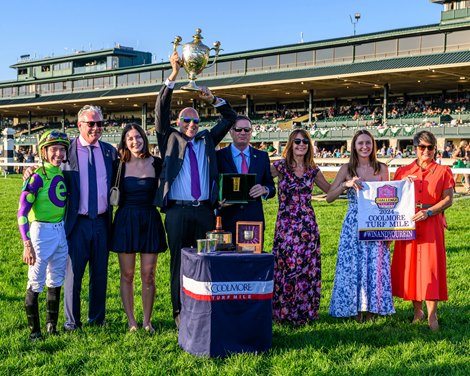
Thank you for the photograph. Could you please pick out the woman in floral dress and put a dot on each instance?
(362, 280)
(296, 248)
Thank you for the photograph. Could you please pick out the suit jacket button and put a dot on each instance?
(241, 206)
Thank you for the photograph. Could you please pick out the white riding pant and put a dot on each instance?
(50, 244)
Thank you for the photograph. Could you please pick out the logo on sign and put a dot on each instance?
(387, 197)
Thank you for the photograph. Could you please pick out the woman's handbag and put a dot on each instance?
(114, 192)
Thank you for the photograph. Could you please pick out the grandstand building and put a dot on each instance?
(392, 82)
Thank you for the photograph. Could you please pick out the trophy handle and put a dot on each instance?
(217, 49)
(176, 42)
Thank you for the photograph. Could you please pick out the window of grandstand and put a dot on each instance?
(270, 62)
(144, 77)
(81, 85)
(112, 62)
(324, 56)
(102, 82)
(156, 76)
(458, 40)
(223, 67)
(365, 51)
(62, 86)
(122, 80)
(304, 58)
(433, 43)
(254, 64)
(9, 92)
(132, 78)
(238, 66)
(62, 66)
(45, 68)
(287, 60)
(386, 49)
(22, 71)
(343, 54)
(26, 89)
(409, 46)
(182, 75)
(45, 88)
(208, 72)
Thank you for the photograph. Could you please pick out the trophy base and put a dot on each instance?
(191, 86)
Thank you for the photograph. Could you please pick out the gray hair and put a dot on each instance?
(89, 108)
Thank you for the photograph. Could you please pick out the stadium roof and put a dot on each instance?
(416, 74)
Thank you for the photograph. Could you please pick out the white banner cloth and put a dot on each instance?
(385, 210)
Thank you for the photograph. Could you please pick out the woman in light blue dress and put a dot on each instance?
(362, 280)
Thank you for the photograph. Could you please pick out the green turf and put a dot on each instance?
(388, 346)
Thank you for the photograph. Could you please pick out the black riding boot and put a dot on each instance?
(52, 309)
(32, 313)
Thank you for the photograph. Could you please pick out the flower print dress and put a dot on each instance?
(296, 249)
(362, 279)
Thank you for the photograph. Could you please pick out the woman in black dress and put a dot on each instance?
(137, 226)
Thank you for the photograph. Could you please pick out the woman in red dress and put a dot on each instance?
(419, 266)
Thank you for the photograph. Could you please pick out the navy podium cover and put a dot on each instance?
(226, 302)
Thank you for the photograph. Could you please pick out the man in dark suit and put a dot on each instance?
(240, 158)
(188, 186)
(88, 217)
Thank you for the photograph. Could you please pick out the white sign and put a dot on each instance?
(385, 210)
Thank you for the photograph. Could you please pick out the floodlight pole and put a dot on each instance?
(357, 17)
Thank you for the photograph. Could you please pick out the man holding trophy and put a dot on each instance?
(188, 188)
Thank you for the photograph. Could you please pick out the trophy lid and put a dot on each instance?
(197, 37)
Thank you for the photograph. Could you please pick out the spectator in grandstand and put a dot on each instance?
(461, 156)
(137, 226)
(42, 202)
(240, 157)
(188, 156)
(20, 159)
(447, 153)
(30, 156)
(296, 246)
(383, 151)
(362, 281)
(419, 266)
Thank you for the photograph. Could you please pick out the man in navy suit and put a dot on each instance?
(88, 217)
(188, 184)
(240, 157)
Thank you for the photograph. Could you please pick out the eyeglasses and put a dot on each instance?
(305, 141)
(238, 130)
(92, 124)
(424, 147)
(188, 119)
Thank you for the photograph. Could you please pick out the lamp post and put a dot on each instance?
(357, 17)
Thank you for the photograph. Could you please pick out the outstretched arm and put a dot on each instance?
(163, 103)
(341, 183)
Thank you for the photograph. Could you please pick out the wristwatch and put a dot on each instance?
(429, 213)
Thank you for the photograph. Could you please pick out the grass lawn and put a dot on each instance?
(387, 346)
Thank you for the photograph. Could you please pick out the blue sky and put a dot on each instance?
(58, 27)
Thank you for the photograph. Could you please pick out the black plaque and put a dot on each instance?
(235, 188)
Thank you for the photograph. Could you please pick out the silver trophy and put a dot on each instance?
(195, 58)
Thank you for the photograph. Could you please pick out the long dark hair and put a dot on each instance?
(124, 152)
(288, 153)
(354, 159)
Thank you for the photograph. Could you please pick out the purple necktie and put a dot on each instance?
(92, 184)
(244, 164)
(195, 183)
